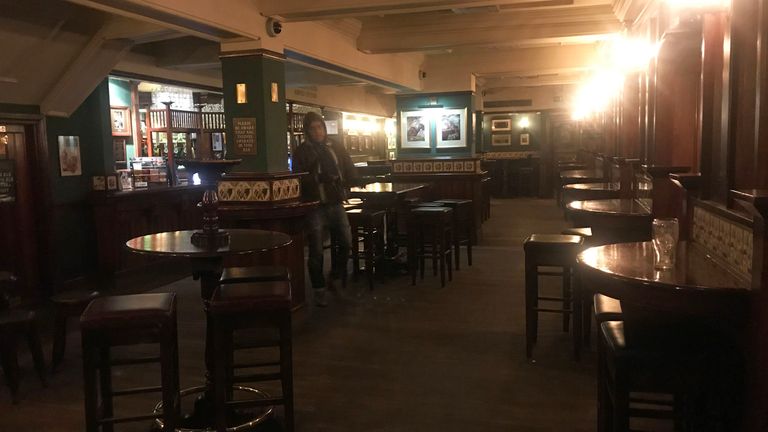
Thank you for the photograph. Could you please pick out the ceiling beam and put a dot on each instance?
(440, 31)
(309, 10)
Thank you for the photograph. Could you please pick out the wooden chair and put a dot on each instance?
(431, 236)
(367, 226)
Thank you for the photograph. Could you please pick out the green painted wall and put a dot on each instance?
(455, 100)
(535, 131)
(120, 95)
(258, 72)
(74, 235)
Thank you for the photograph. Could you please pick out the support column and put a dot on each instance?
(254, 106)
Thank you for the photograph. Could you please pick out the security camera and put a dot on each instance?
(274, 27)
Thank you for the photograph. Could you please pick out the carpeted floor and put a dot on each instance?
(400, 358)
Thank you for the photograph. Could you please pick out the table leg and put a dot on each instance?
(208, 270)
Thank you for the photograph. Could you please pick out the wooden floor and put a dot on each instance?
(400, 358)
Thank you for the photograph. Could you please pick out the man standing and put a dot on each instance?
(330, 173)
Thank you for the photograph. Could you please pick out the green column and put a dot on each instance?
(256, 124)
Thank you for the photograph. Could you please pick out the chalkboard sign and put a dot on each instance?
(7, 181)
(244, 130)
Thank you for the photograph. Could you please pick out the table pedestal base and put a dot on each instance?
(202, 417)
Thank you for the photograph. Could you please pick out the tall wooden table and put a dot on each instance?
(207, 266)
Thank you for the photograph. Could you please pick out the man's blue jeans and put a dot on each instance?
(331, 217)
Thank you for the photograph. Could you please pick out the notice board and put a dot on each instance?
(7, 181)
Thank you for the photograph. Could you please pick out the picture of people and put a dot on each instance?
(451, 128)
(414, 129)
(69, 156)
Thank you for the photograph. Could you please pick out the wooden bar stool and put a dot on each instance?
(66, 305)
(15, 323)
(431, 236)
(549, 250)
(463, 225)
(367, 225)
(659, 375)
(256, 273)
(243, 306)
(136, 319)
(605, 309)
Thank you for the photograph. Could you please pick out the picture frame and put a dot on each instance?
(125, 181)
(391, 155)
(217, 141)
(452, 128)
(525, 139)
(120, 119)
(501, 139)
(69, 156)
(414, 129)
(99, 183)
(111, 182)
(499, 125)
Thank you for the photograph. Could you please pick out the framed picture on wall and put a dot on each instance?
(414, 129)
(498, 125)
(121, 121)
(118, 146)
(525, 139)
(111, 182)
(452, 128)
(217, 143)
(69, 156)
(501, 139)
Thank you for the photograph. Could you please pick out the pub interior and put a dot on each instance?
(557, 218)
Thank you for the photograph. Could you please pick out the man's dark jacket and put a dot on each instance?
(307, 157)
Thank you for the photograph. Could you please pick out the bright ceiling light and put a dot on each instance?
(524, 122)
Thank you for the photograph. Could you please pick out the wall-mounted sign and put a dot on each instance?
(7, 181)
(244, 130)
(332, 127)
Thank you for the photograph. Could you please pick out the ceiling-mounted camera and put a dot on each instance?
(274, 27)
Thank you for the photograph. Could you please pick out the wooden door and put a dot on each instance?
(18, 227)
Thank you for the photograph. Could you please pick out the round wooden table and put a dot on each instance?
(207, 265)
(613, 220)
(698, 293)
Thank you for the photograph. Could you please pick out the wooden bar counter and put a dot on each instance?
(120, 216)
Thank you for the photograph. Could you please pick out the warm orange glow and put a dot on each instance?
(700, 4)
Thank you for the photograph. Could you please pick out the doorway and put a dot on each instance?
(22, 221)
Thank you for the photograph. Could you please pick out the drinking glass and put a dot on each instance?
(665, 236)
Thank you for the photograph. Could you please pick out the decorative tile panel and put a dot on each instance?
(727, 240)
(457, 166)
(510, 155)
(264, 191)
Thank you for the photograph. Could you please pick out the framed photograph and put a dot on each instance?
(452, 128)
(69, 156)
(391, 155)
(414, 129)
(121, 121)
(111, 182)
(99, 183)
(498, 125)
(125, 180)
(217, 141)
(332, 127)
(501, 139)
(525, 139)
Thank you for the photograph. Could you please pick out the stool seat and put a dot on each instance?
(613, 331)
(12, 317)
(430, 204)
(243, 297)
(257, 273)
(431, 209)
(75, 297)
(607, 308)
(582, 232)
(137, 310)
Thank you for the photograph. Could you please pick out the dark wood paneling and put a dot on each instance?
(123, 216)
(629, 140)
(713, 34)
(743, 88)
(677, 99)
